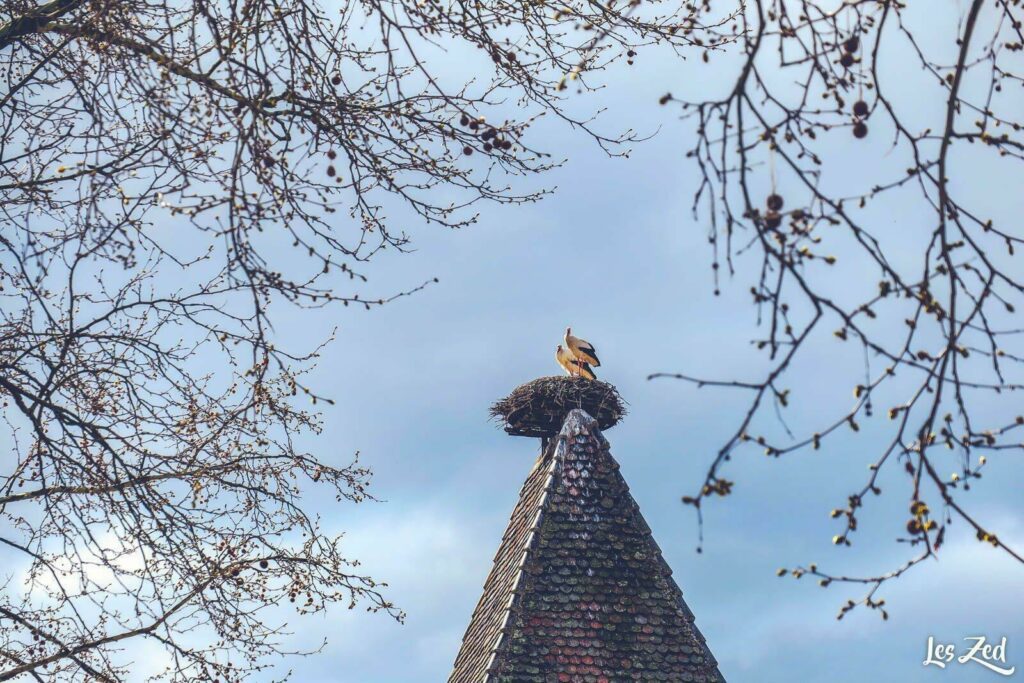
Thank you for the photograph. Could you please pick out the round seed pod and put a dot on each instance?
(860, 129)
(775, 202)
(846, 60)
(467, 150)
(860, 108)
(773, 219)
(851, 44)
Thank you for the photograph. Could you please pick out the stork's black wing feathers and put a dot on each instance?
(592, 352)
(585, 368)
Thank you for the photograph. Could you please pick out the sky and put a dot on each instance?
(616, 254)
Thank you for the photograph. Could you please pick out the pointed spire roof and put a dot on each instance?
(579, 591)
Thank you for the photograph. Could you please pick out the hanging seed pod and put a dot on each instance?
(464, 121)
(773, 219)
(467, 150)
(846, 60)
(860, 129)
(852, 44)
(775, 202)
(860, 108)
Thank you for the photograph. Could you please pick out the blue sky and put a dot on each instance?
(616, 254)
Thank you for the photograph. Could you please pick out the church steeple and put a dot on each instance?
(579, 591)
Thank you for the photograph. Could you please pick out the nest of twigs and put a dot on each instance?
(538, 408)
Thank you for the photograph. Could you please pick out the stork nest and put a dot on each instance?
(538, 408)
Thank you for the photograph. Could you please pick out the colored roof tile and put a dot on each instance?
(579, 591)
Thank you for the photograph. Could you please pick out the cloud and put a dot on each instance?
(434, 562)
(972, 589)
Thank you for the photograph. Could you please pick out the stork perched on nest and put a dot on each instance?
(573, 366)
(577, 356)
(581, 348)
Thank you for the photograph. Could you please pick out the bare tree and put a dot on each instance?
(930, 315)
(156, 161)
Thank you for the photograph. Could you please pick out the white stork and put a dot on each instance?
(572, 365)
(581, 349)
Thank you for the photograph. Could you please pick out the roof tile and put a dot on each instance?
(579, 591)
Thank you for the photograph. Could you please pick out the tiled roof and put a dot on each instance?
(579, 591)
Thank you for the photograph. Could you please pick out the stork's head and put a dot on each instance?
(559, 349)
